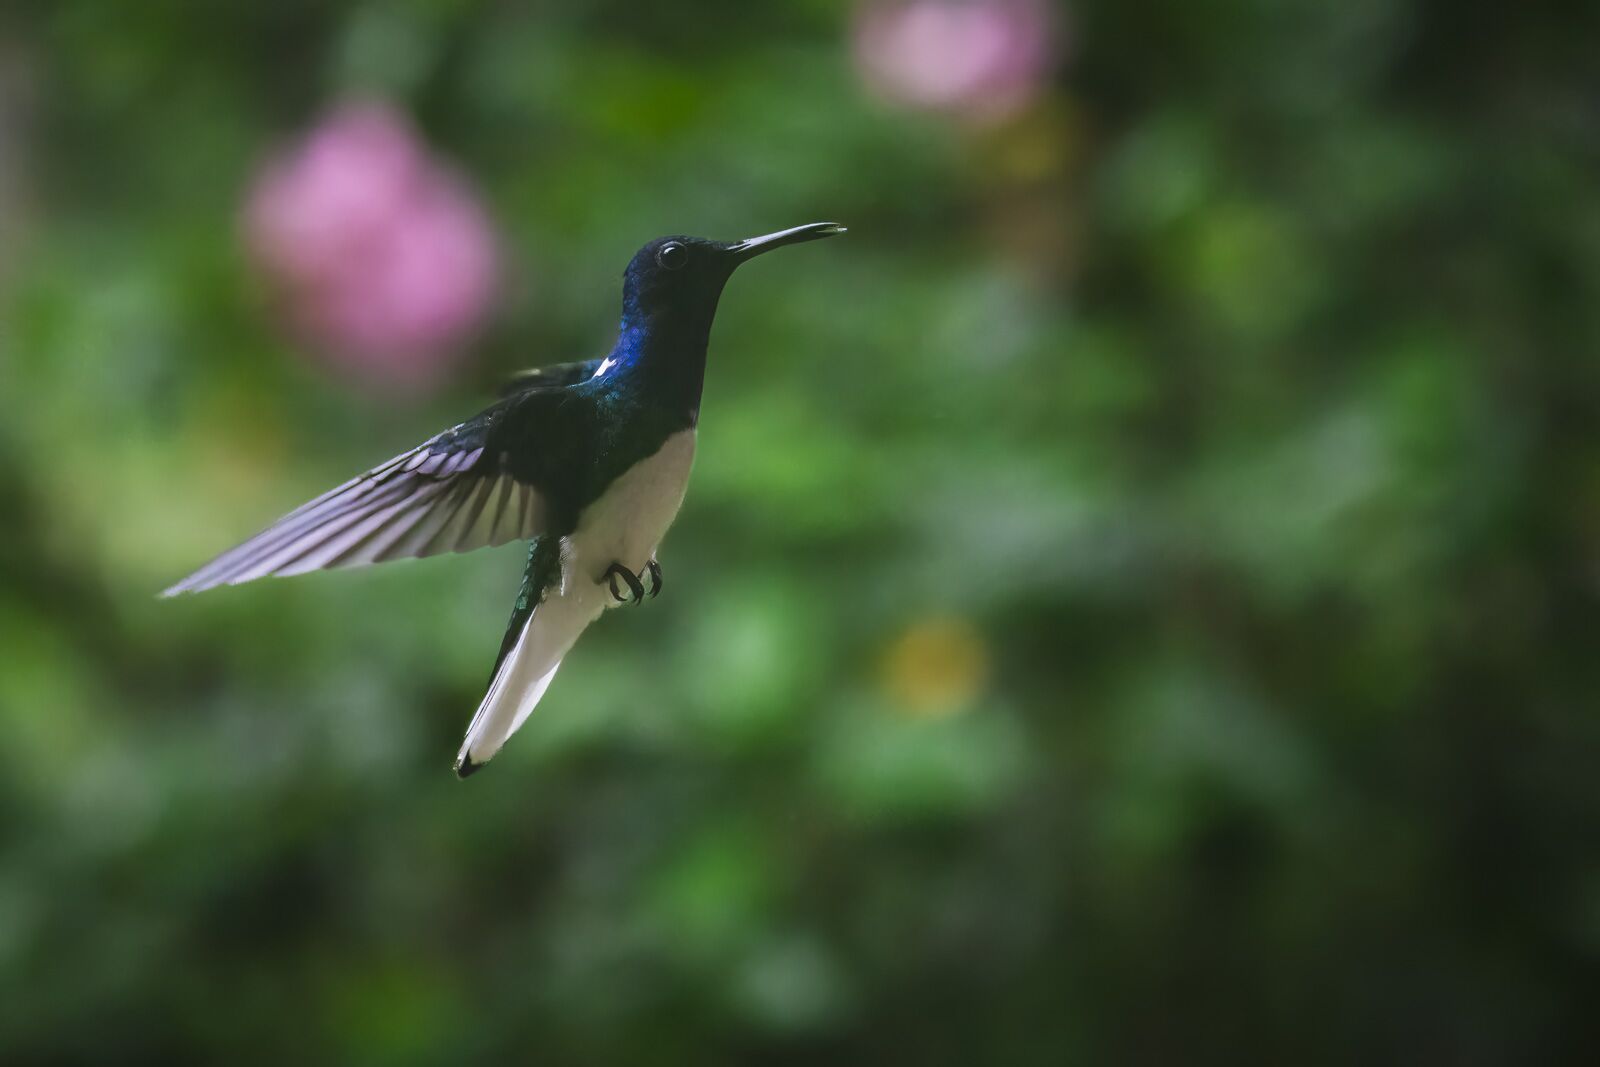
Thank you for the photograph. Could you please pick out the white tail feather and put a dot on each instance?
(527, 670)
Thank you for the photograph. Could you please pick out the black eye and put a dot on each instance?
(672, 256)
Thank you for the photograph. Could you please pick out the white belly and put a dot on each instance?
(624, 526)
(628, 521)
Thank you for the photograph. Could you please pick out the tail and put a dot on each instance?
(549, 617)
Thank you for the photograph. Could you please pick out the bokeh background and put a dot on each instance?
(1136, 602)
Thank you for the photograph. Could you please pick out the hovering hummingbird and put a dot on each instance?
(586, 461)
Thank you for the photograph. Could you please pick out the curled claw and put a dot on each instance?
(635, 587)
(655, 578)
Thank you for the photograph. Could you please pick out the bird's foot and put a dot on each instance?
(632, 590)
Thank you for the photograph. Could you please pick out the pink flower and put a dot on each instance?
(384, 259)
(983, 60)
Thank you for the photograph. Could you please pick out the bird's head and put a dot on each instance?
(681, 278)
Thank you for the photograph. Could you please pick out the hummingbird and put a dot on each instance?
(588, 462)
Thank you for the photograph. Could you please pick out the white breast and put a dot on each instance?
(628, 521)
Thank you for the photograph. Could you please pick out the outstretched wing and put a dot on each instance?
(450, 494)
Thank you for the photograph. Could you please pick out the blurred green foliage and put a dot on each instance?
(1136, 602)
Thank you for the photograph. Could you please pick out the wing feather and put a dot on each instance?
(448, 495)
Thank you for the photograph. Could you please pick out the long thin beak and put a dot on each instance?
(811, 231)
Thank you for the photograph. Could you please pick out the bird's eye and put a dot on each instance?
(672, 256)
